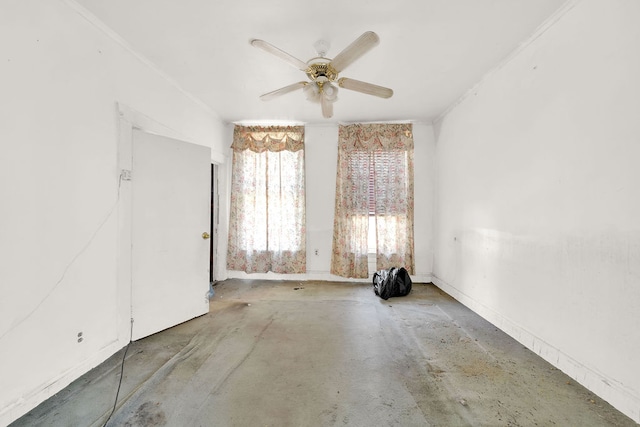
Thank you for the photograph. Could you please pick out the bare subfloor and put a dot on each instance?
(325, 354)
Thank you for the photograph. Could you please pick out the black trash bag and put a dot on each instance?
(394, 282)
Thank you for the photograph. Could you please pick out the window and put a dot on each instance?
(377, 166)
(374, 199)
(267, 221)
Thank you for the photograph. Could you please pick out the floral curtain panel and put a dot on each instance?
(267, 219)
(374, 180)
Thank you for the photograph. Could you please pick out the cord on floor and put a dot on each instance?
(115, 403)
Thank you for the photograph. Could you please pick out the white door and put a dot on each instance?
(171, 210)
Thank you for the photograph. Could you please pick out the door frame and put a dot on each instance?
(215, 222)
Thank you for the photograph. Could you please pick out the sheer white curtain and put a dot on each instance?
(374, 179)
(267, 218)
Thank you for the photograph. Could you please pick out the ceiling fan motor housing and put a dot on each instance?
(321, 72)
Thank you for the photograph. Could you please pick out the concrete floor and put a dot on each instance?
(273, 353)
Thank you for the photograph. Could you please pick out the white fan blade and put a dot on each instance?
(276, 93)
(368, 88)
(327, 107)
(261, 44)
(355, 50)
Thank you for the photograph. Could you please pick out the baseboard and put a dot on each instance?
(26, 403)
(315, 275)
(607, 388)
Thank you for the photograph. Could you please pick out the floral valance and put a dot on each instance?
(376, 136)
(268, 138)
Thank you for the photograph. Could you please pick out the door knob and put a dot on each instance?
(205, 235)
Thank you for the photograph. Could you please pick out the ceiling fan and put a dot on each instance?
(322, 72)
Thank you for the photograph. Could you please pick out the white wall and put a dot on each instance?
(61, 78)
(538, 209)
(321, 157)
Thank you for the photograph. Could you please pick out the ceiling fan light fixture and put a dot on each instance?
(330, 92)
(312, 92)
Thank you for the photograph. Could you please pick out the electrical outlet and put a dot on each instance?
(316, 252)
(80, 338)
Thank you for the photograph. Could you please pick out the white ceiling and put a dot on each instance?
(430, 53)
